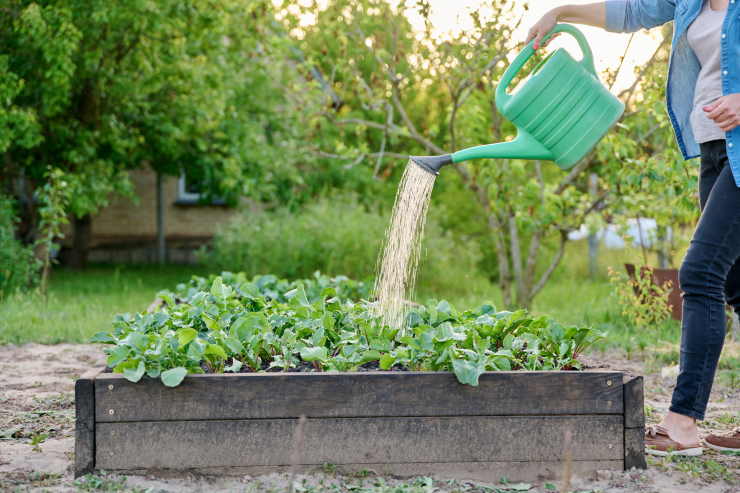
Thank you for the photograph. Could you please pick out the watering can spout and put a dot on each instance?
(432, 164)
(523, 147)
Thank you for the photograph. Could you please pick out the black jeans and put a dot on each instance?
(709, 277)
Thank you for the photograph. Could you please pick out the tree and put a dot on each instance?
(411, 93)
(641, 166)
(94, 88)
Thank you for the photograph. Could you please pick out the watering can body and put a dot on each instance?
(561, 110)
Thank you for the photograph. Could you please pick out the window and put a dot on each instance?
(190, 192)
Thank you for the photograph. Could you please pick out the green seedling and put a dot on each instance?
(37, 439)
(232, 323)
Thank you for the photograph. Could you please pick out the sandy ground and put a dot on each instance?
(37, 439)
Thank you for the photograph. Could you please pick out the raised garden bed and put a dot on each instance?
(519, 425)
(239, 376)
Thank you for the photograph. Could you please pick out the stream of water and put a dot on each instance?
(397, 265)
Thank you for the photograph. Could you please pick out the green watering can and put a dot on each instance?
(561, 111)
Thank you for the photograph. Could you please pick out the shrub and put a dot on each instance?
(642, 301)
(336, 236)
(18, 265)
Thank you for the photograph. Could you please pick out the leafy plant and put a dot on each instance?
(232, 323)
(55, 196)
(18, 266)
(642, 301)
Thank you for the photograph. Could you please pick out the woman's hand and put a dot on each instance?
(542, 27)
(725, 111)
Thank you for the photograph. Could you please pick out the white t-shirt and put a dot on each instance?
(704, 38)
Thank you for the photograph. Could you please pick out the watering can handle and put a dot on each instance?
(588, 59)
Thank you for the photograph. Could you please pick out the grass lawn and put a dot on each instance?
(81, 303)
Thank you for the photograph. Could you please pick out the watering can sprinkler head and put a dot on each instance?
(561, 110)
(432, 164)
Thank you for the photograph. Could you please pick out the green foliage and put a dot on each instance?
(335, 235)
(641, 165)
(320, 323)
(18, 266)
(95, 88)
(54, 197)
(642, 301)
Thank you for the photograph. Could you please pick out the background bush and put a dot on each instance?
(337, 236)
(18, 266)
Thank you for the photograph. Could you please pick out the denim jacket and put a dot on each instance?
(683, 68)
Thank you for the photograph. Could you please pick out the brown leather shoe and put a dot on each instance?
(729, 442)
(657, 442)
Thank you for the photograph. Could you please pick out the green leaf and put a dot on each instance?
(173, 377)
(386, 361)
(234, 345)
(371, 355)
(313, 353)
(467, 372)
(219, 289)
(444, 307)
(184, 336)
(216, 350)
(210, 323)
(136, 340)
(116, 356)
(135, 374)
(104, 337)
(196, 349)
(247, 325)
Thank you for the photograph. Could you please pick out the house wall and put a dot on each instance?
(126, 230)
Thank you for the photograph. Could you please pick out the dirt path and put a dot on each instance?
(37, 439)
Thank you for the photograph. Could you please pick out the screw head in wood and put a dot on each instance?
(111, 411)
(110, 387)
(609, 383)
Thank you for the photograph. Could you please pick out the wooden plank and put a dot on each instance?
(85, 423)
(634, 403)
(489, 472)
(634, 423)
(317, 395)
(634, 448)
(269, 442)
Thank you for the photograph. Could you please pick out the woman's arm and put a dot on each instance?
(613, 15)
(593, 14)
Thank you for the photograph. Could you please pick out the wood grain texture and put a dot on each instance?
(317, 395)
(489, 472)
(85, 424)
(634, 423)
(634, 448)
(634, 403)
(268, 442)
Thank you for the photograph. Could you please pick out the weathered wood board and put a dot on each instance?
(405, 423)
(319, 395)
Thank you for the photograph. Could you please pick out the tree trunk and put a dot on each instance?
(161, 244)
(81, 241)
(593, 240)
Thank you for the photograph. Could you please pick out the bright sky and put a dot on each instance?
(448, 15)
